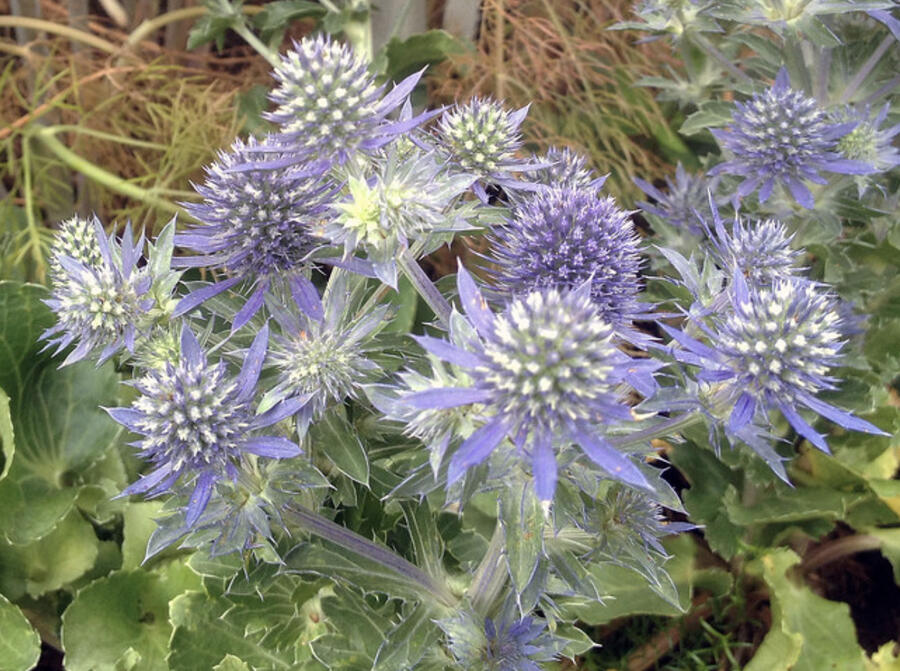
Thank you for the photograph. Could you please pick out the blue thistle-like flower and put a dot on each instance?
(100, 296)
(327, 361)
(868, 142)
(760, 251)
(565, 237)
(256, 225)
(399, 199)
(782, 137)
(565, 169)
(682, 201)
(482, 138)
(771, 349)
(544, 369)
(507, 644)
(328, 104)
(196, 422)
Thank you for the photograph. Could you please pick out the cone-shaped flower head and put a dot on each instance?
(255, 224)
(329, 105)
(400, 198)
(482, 137)
(759, 250)
(77, 239)
(544, 369)
(783, 137)
(772, 349)
(101, 298)
(196, 421)
(325, 361)
(508, 644)
(565, 168)
(564, 237)
(681, 201)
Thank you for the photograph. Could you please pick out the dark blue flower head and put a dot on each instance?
(482, 138)
(565, 237)
(100, 296)
(329, 105)
(506, 644)
(255, 225)
(545, 369)
(783, 137)
(771, 349)
(759, 250)
(196, 421)
(682, 200)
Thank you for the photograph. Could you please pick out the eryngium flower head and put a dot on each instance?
(255, 224)
(196, 422)
(868, 142)
(403, 198)
(544, 368)
(783, 137)
(482, 137)
(565, 169)
(682, 201)
(328, 102)
(772, 349)
(77, 239)
(760, 251)
(509, 644)
(102, 299)
(327, 361)
(565, 237)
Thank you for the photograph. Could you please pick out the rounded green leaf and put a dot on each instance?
(20, 646)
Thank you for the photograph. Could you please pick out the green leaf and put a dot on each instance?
(426, 540)
(50, 563)
(207, 29)
(577, 642)
(140, 523)
(791, 504)
(23, 317)
(823, 629)
(710, 115)
(407, 642)
(231, 663)
(336, 439)
(366, 624)
(270, 630)
(405, 57)
(277, 15)
(522, 518)
(405, 301)
(629, 593)
(7, 436)
(20, 646)
(118, 622)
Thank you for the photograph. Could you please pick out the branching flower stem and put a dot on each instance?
(490, 576)
(351, 541)
(424, 286)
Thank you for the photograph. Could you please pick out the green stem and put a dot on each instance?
(490, 576)
(58, 29)
(842, 547)
(240, 27)
(424, 286)
(866, 69)
(152, 25)
(33, 229)
(98, 174)
(112, 137)
(352, 542)
(723, 60)
(661, 430)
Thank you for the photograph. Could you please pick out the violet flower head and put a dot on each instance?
(772, 349)
(760, 251)
(329, 105)
(508, 643)
(100, 296)
(256, 225)
(783, 137)
(544, 369)
(196, 421)
(682, 200)
(565, 169)
(565, 237)
(482, 138)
